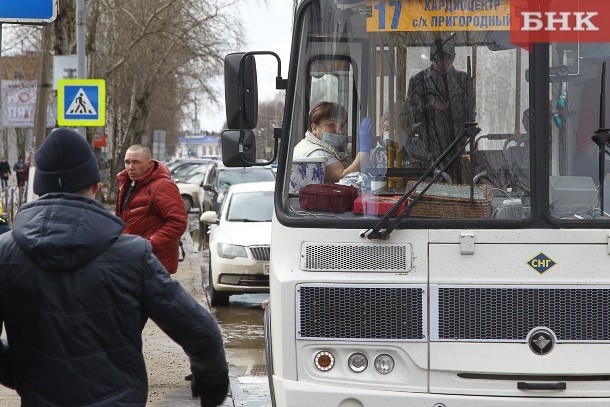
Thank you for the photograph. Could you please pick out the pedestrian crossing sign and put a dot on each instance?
(81, 102)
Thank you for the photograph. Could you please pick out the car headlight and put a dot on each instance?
(231, 251)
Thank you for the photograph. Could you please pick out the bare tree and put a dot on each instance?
(64, 29)
(20, 39)
(20, 140)
(269, 117)
(5, 142)
(153, 54)
(23, 39)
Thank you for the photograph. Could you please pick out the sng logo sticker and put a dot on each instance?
(541, 263)
(558, 21)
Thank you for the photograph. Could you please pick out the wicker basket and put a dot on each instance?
(452, 201)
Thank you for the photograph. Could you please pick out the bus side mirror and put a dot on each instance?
(241, 100)
(236, 154)
(241, 91)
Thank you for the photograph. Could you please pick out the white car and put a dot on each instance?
(219, 178)
(189, 190)
(240, 242)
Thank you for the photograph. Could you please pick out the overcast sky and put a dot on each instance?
(268, 29)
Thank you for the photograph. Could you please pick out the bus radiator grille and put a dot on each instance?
(378, 312)
(510, 313)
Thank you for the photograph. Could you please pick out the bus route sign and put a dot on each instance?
(28, 11)
(438, 15)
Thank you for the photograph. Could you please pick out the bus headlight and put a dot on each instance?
(324, 360)
(231, 251)
(357, 362)
(384, 364)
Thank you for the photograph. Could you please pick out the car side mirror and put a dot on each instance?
(207, 187)
(209, 217)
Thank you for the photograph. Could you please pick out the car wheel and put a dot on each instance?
(188, 202)
(217, 299)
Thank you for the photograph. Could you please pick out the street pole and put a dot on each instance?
(196, 124)
(80, 48)
(44, 85)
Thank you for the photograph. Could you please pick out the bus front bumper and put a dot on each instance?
(290, 393)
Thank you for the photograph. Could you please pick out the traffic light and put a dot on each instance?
(190, 151)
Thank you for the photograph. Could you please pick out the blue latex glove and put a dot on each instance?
(365, 136)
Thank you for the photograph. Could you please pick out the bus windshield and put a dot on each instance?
(397, 97)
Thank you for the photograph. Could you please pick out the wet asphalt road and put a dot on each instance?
(242, 327)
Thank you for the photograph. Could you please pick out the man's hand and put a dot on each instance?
(365, 136)
(211, 394)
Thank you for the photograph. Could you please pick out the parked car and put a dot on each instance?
(185, 170)
(175, 163)
(189, 190)
(240, 242)
(219, 178)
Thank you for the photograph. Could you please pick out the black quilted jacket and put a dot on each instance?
(73, 289)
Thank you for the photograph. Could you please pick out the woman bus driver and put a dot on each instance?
(326, 137)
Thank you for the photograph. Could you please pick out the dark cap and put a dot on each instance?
(442, 49)
(65, 163)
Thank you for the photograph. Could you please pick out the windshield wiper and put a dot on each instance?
(246, 220)
(383, 228)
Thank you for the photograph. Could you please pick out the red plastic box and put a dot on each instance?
(377, 205)
(327, 197)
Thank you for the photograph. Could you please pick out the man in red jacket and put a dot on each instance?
(150, 204)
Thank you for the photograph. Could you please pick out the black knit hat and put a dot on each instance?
(65, 163)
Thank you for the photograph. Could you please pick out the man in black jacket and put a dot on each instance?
(5, 172)
(72, 291)
(441, 100)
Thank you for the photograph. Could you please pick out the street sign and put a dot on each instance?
(81, 102)
(28, 11)
(64, 67)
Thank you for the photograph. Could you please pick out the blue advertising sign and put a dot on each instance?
(28, 11)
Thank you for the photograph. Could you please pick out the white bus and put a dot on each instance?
(488, 281)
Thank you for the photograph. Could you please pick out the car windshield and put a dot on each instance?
(195, 179)
(171, 166)
(226, 177)
(250, 207)
(196, 169)
(184, 168)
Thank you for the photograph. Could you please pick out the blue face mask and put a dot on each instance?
(334, 139)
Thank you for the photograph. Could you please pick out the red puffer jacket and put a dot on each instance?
(154, 211)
